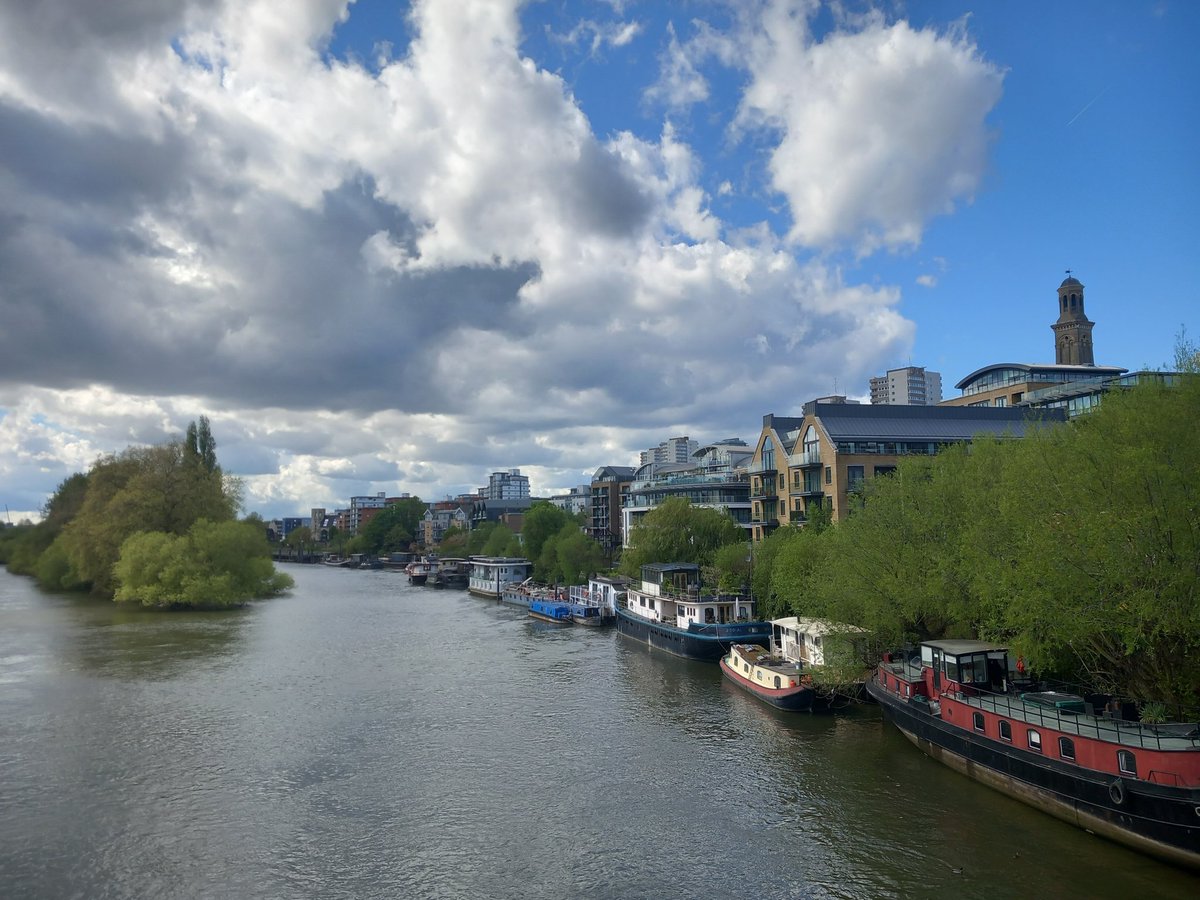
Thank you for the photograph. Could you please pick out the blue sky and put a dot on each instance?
(394, 247)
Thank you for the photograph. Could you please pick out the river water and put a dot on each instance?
(364, 738)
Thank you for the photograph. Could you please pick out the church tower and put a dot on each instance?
(1072, 331)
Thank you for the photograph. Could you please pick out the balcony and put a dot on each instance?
(806, 458)
(764, 492)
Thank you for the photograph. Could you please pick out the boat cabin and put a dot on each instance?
(805, 640)
(670, 593)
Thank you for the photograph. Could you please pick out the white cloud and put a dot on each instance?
(402, 280)
(880, 128)
(927, 280)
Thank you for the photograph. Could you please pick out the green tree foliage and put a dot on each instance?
(299, 538)
(393, 528)
(731, 568)
(26, 544)
(543, 520)
(501, 541)
(214, 565)
(569, 556)
(454, 541)
(677, 531)
(1077, 546)
(142, 489)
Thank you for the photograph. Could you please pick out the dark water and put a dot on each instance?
(364, 738)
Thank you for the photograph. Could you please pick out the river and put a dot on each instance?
(364, 738)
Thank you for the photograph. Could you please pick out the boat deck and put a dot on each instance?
(761, 657)
(1139, 735)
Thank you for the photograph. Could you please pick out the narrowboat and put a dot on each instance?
(965, 704)
(669, 612)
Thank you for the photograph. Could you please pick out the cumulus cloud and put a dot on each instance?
(404, 278)
(881, 127)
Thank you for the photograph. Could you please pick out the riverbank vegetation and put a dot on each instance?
(1077, 546)
(151, 525)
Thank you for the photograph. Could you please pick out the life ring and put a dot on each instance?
(1116, 791)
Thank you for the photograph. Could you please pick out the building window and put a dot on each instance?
(1005, 731)
(828, 475)
(1066, 748)
(1035, 741)
(854, 478)
(977, 721)
(1127, 763)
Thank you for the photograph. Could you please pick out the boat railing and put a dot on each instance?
(1084, 724)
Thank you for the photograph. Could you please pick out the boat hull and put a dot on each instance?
(1156, 819)
(708, 645)
(796, 699)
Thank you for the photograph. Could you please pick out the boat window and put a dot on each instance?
(907, 690)
(1126, 762)
(977, 721)
(1066, 748)
(1035, 741)
(776, 681)
(1005, 730)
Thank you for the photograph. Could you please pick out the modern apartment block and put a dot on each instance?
(824, 457)
(610, 487)
(510, 485)
(909, 386)
(673, 450)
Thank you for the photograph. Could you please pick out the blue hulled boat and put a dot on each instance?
(670, 613)
(557, 612)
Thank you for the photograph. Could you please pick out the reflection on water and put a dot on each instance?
(363, 737)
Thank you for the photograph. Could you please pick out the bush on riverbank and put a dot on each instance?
(216, 564)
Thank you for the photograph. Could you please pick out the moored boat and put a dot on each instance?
(965, 704)
(596, 603)
(551, 610)
(770, 677)
(490, 575)
(671, 613)
(451, 572)
(420, 570)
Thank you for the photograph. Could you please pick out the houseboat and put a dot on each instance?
(523, 593)
(557, 612)
(832, 652)
(491, 574)
(768, 676)
(669, 612)
(451, 572)
(597, 602)
(964, 703)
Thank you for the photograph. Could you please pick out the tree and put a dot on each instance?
(569, 556)
(454, 541)
(542, 521)
(502, 541)
(394, 527)
(677, 531)
(216, 564)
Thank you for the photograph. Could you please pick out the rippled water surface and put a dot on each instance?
(365, 738)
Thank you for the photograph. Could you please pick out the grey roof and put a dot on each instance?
(846, 422)
(1072, 280)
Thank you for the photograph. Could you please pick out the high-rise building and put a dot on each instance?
(510, 485)
(673, 450)
(909, 386)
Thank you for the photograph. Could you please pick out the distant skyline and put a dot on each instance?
(399, 246)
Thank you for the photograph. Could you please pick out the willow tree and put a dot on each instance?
(677, 531)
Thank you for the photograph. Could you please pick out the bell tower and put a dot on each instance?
(1072, 331)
